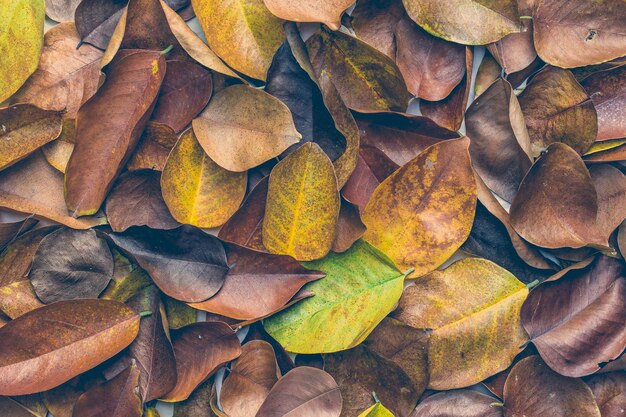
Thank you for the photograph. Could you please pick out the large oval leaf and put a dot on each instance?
(470, 22)
(246, 23)
(48, 346)
(462, 403)
(476, 333)
(302, 205)
(423, 212)
(104, 144)
(360, 288)
(198, 191)
(21, 41)
(243, 127)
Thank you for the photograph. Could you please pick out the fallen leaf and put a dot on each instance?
(575, 321)
(11, 407)
(360, 288)
(531, 383)
(18, 298)
(197, 405)
(185, 263)
(423, 227)
(58, 152)
(557, 109)
(324, 11)
(16, 259)
(462, 403)
(617, 154)
(52, 344)
(607, 90)
(610, 185)
(350, 228)
(185, 91)
(480, 335)
(431, 66)
(115, 398)
(377, 410)
(306, 391)
(257, 285)
(61, 10)
(155, 144)
(9, 231)
(33, 186)
(251, 378)
(449, 112)
(152, 349)
(136, 201)
(557, 202)
(609, 391)
(488, 71)
(178, 313)
(359, 372)
(499, 141)
(200, 349)
(302, 205)
(25, 128)
(242, 127)
(196, 190)
(245, 226)
(365, 78)
(71, 264)
(128, 279)
(21, 42)
(470, 22)
(68, 73)
(577, 33)
(103, 145)
(96, 20)
(245, 23)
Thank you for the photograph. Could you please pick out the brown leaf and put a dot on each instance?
(18, 298)
(461, 403)
(25, 128)
(33, 186)
(58, 152)
(243, 127)
(136, 201)
(488, 71)
(61, 10)
(152, 349)
(115, 398)
(96, 20)
(533, 389)
(155, 144)
(577, 33)
(423, 227)
(17, 258)
(68, 73)
(128, 279)
(609, 391)
(449, 112)
(251, 378)
(185, 91)
(610, 185)
(48, 346)
(607, 90)
(200, 349)
(516, 51)
(257, 285)
(557, 109)
(306, 391)
(11, 408)
(365, 78)
(499, 141)
(324, 11)
(185, 263)
(360, 371)
(557, 202)
(431, 66)
(350, 228)
(197, 405)
(178, 313)
(9, 231)
(71, 264)
(104, 144)
(576, 321)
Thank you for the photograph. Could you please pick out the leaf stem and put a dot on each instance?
(375, 397)
(496, 404)
(166, 50)
(409, 271)
(533, 284)
(145, 313)
(526, 18)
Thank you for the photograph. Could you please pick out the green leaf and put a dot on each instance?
(362, 285)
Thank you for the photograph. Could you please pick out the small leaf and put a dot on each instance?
(243, 127)
(302, 205)
(61, 10)
(58, 152)
(96, 20)
(360, 288)
(155, 144)
(377, 410)
(46, 347)
(198, 191)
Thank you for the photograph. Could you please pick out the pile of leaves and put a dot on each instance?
(363, 261)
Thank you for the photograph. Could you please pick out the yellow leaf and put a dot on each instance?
(377, 410)
(196, 190)
(302, 205)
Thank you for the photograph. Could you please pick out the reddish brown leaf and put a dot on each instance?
(350, 228)
(607, 90)
(610, 185)
(609, 391)
(462, 403)
(155, 144)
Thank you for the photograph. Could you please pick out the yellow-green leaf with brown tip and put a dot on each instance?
(244, 33)
(360, 288)
(423, 212)
(473, 308)
(21, 41)
(303, 204)
(196, 190)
